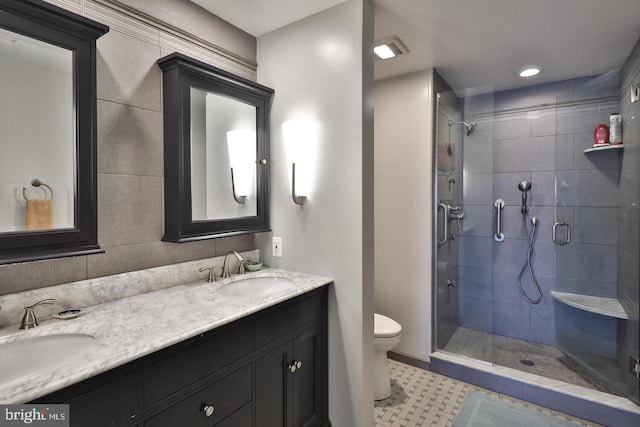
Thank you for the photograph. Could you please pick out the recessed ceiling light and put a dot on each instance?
(389, 48)
(529, 72)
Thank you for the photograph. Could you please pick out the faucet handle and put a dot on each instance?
(212, 273)
(29, 319)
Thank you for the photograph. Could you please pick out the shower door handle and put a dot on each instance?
(445, 222)
(499, 236)
(555, 236)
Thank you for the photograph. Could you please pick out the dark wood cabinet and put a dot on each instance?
(289, 382)
(268, 369)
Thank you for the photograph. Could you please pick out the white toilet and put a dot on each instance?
(387, 336)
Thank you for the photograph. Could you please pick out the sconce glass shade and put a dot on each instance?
(242, 160)
(300, 138)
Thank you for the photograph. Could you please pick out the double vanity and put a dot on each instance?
(247, 350)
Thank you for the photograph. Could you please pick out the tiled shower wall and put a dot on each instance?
(629, 220)
(538, 134)
(130, 135)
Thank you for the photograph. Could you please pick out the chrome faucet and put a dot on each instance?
(29, 319)
(212, 273)
(225, 264)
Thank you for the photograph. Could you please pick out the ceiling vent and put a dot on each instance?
(389, 48)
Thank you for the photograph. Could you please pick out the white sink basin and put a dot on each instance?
(255, 287)
(20, 359)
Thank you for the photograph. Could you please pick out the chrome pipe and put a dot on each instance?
(238, 199)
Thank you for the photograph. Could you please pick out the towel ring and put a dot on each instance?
(37, 183)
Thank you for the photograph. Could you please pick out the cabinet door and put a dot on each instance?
(289, 383)
(307, 384)
(272, 385)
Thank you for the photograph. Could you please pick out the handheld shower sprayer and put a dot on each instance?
(524, 186)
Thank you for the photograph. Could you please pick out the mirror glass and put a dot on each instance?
(223, 157)
(38, 124)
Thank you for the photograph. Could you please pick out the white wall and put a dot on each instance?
(317, 70)
(403, 207)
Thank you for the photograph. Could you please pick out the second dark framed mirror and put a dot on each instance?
(216, 144)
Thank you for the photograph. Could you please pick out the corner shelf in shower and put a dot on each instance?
(600, 305)
(605, 148)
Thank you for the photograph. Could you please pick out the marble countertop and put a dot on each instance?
(132, 327)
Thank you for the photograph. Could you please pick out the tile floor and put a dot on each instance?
(423, 398)
(548, 361)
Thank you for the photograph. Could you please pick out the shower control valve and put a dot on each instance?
(459, 216)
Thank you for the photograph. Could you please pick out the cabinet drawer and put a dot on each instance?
(287, 319)
(226, 395)
(241, 418)
(175, 373)
(105, 405)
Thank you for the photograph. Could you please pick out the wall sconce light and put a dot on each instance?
(242, 157)
(299, 138)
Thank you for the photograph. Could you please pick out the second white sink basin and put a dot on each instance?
(256, 287)
(19, 359)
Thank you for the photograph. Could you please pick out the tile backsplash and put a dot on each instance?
(85, 293)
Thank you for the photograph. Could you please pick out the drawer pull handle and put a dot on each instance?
(208, 410)
(298, 364)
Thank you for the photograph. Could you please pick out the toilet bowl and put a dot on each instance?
(386, 337)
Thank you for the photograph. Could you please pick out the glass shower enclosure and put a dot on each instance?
(536, 234)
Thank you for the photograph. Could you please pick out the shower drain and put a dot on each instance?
(528, 362)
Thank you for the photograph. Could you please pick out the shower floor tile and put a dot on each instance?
(548, 361)
(423, 398)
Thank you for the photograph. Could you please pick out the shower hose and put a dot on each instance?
(527, 264)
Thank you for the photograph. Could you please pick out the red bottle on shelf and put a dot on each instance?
(601, 135)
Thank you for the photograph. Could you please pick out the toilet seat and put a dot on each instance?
(384, 327)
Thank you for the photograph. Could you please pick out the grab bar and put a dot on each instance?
(499, 236)
(445, 222)
(554, 236)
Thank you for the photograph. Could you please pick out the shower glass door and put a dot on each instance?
(463, 225)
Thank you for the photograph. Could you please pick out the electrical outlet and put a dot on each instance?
(276, 247)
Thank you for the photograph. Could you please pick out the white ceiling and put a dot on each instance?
(478, 44)
(258, 17)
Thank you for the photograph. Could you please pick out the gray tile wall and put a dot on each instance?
(538, 134)
(130, 138)
(629, 222)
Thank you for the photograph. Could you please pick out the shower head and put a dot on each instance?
(468, 127)
(524, 186)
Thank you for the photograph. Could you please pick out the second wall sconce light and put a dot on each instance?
(299, 137)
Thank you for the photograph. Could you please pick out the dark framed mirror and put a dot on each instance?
(216, 143)
(48, 130)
